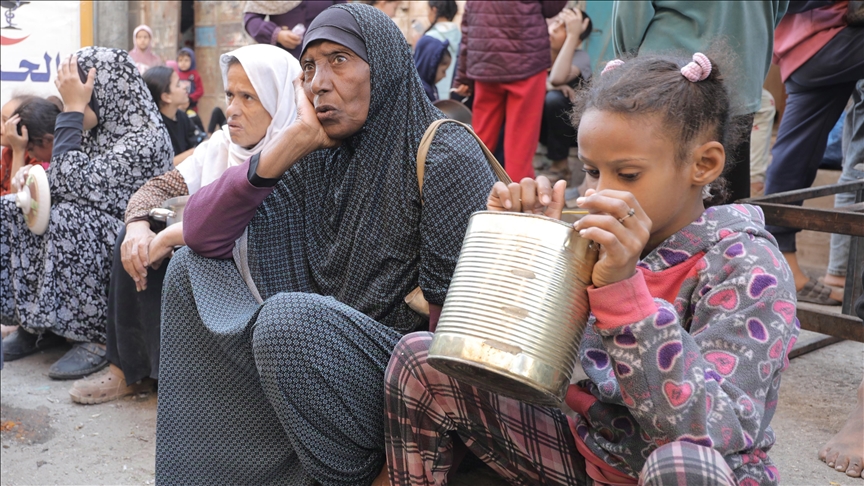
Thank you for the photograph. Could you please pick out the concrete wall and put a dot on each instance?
(218, 29)
(111, 25)
(163, 17)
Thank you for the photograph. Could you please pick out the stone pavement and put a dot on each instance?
(47, 439)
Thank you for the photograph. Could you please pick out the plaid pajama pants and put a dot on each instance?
(525, 444)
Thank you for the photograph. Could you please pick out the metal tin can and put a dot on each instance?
(517, 307)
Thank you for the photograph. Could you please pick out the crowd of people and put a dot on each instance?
(278, 303)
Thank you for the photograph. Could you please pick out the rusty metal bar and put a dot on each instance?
(813, 346)
(809, 193)
(813, 219)
(812, 318)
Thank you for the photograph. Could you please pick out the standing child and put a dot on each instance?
(503, 58)
(693, 312)
(142, 52)
(187, 73)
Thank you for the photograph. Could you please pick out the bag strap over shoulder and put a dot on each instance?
(426, 142)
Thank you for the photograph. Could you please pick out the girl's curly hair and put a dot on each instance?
(691, 111)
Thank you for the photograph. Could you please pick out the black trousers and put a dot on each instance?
(557, 133)
(217, 119)
(133, 326)
(818, 92)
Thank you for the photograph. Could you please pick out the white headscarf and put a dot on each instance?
(272, 72)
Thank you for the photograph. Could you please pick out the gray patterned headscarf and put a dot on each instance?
(349, 221)
(128, 147)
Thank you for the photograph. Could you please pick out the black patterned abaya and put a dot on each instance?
(291, 391)
(58, 281)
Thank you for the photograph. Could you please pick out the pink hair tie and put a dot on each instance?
(612, 65)
(697, 70)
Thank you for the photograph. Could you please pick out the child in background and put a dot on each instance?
(188, 73)
(571, 66)
(170, 96)
(142, 52)
(14, 148)
(36, 118)
(693, 311)
(432, 60)
(26, 135)
(442, 27)
(503, 62)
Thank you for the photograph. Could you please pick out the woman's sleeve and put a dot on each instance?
(105, 180)
(153, 193)
(218, 213)
(67, 133)
(709, 385)
(457, 183)
(263, 31)
(629, 24)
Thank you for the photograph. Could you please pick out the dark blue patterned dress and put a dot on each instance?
(291, 391)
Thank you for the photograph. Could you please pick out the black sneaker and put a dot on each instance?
(22, 343)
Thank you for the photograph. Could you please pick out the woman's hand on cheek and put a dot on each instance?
(311, 130)
(621, 237)
(529, 196)
(76, 95)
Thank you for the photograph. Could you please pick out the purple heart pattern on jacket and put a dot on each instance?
(705, 367)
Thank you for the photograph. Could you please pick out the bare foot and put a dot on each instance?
(383, 479)
(845, 451)
(834, 280)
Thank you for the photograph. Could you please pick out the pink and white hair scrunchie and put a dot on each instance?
(611, 65)
(698, 69)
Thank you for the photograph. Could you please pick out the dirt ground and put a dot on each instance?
(47, 439)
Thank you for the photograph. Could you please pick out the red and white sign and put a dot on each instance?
(34, 37)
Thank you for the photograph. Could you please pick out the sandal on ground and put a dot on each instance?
(816, 293)
(80, 361)
(21, 343)
(110, 384)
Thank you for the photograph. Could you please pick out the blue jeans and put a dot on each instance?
(853, 169)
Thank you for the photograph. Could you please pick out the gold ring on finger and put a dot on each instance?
(630, 212)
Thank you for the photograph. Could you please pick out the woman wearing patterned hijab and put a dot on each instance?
(278, 379)
(109, 141)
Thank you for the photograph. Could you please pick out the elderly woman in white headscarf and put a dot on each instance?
(260, 97)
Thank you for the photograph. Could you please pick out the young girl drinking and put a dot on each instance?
(693, 312)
